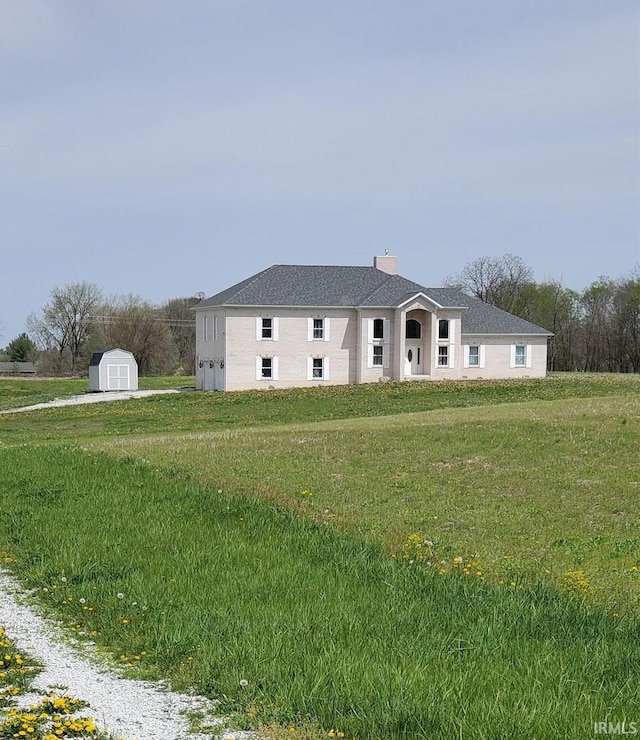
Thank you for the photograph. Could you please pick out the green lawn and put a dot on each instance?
(391, 561)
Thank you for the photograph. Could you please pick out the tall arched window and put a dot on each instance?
(414, 329)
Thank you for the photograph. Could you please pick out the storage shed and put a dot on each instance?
(113, 370)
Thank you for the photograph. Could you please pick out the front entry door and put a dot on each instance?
(413, 359)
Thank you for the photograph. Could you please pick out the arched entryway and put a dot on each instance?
(413, 347)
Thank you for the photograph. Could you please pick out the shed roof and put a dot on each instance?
(96, 357)
(346, 286)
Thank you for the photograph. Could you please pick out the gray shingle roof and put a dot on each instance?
(336, 286)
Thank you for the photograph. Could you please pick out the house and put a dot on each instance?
(307, 325)
(113, 370)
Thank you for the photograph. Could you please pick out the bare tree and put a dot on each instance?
(182, 325)
(133, 324)
(500, 281)
(64, 328)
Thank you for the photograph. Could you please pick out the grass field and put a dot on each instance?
(393, 561)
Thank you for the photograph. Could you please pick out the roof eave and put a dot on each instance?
(507, 333)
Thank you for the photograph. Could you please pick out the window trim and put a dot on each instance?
(312, 329)
(378, 323)
(266, 329)
(311, 370)
(260, 328)
(406, 328)
(260, 367)
(527, 355)
(444, 336)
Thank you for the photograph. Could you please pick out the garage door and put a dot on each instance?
(118, 377)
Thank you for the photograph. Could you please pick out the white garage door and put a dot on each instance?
(118, 377)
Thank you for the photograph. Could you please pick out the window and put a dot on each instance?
(378, 355)
(267, 328)
(520, 358)
(474, 356)
(267, 368)
(318, 328)
(378, 329)
(443, 329)
(414, 329)
(318, 367)
(443, 356)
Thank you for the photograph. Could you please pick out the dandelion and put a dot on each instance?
(82, 601)
(63, 579)
(120, 595)
(243, 683)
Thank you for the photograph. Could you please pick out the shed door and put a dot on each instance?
(117, 377)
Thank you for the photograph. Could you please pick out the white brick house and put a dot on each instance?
(307, 325)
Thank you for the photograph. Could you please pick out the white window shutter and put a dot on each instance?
(326, 328)
(274, 328)
(465, 362)
(258, 368)
(386, 338)
(258, 328)
(325, 368)
(309, 368)
(386, 330)
(215, 328)
(528, 354)
(310, 329)
(452, 331)
(274, 368)
(370, 330)
(482, 355)
(369, 355)
(512, 361)
(451, 356)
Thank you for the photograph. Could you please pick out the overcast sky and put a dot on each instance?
(163, 148)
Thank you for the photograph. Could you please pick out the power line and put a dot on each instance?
(118, 319)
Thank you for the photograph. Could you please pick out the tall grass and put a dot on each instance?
(285, 620)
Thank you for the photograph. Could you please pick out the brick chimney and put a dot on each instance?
(386, 263)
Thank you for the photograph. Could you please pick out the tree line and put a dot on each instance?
(594, 330)
(79, 320)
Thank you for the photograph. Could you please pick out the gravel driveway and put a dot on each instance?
(91, 398)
